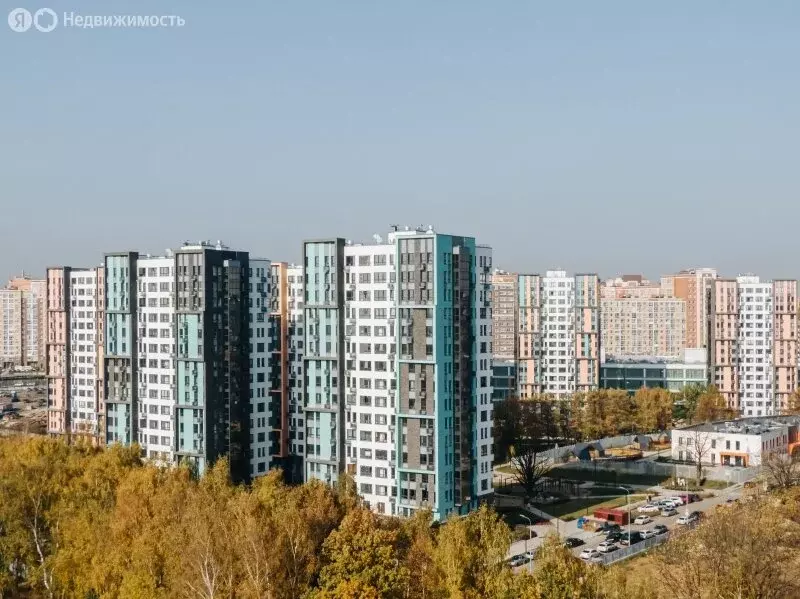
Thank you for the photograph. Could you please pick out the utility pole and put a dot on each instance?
(530, 538)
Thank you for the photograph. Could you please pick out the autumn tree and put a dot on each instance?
(698, 446)
(792, 407)
(535, 433)
(560, 575)
(653, 409)
(470, 554)
(619, 415)
(743, 551)
(686, 401)
(782, 471)
(506, 431)
(711, 406)
(364, 549)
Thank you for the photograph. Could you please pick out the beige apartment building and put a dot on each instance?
(753, 344)
(694, 286)
(23, 323)
(639, 318)
(504, 315)
(75, 382)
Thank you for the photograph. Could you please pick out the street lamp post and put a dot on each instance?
(628, 507)
(530, 538)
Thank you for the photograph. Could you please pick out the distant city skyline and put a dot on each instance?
(622, 137)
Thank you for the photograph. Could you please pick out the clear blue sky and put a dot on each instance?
(594, 136)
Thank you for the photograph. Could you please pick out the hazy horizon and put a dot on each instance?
(611, 138)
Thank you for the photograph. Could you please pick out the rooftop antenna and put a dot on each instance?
(394, 227)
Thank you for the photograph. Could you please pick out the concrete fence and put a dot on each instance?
(652, 468)
(561, 456)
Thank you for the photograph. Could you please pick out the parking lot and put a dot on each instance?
(592, 539)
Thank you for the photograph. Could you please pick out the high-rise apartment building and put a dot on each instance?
(753, 343)
(286, 360)
(397, 369)
(187, 357)
(504, 315)
(694, 286)
(639, 318)
(23, 316)
(559, 333)
(74, 353)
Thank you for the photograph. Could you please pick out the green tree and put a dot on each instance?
(686, 402)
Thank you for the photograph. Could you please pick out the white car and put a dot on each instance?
(588, 554)
(668, 512)
(687, 518)
(648, 532)
(650, 508)
(642, 520)
(675, 499)
(607, 547)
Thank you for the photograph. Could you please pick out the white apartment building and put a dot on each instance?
(559, 334)
(85, 372)
(414, 394)
(755, 343)
(295, 336)
(370, 370)
(155, 317)
(261, 339)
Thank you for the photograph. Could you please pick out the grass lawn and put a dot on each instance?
(606, 476)
(575, 508)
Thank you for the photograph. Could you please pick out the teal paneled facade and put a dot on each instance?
(120, 353)
(323, 359)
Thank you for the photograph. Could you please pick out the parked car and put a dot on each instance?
(635, 537)
(588, 553)
(668, 512)
(607, 547)
(648, 532)
(660, 529)
(517, 560)
(608, 527)
(688, 518)
(597, 559)
(614, 536)
(694, 497)
(650, 508)
(642, 520)
(528, 555)
(573, 542)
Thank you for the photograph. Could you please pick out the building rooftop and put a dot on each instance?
(746, 426)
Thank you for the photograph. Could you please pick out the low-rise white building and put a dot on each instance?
(743, 442)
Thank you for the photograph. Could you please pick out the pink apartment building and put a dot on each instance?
(75, 324)
(753, 343)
